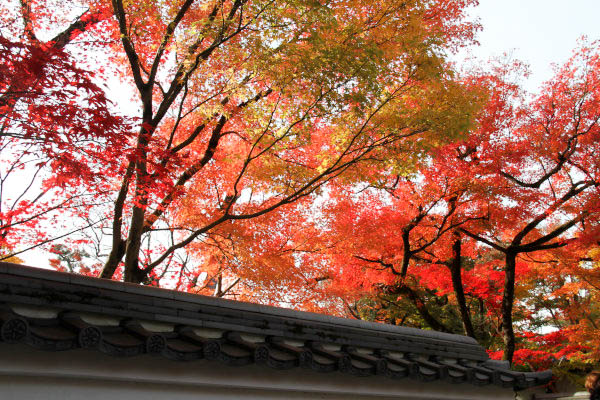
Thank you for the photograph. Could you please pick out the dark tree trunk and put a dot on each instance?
(407, 254)
(118, 244)
(456, 274)
(114, 258)
(136, 227)
(508, 334)
(134, 242)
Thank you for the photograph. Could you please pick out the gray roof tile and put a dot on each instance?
(291, 338)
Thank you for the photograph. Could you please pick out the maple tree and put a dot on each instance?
(543, 174)
(399, 237)
(235, 124)
(55, 123)
(235, 97)
(478, 228)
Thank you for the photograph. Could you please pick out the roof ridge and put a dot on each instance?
(51, 310)
(300, 316)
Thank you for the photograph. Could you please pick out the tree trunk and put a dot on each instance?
(117, 250)
(136, 228)
(134, 242)
(406, 253)
(507, 306)
(456, 274)
(114, 258)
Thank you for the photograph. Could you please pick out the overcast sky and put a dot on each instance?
(539, 32)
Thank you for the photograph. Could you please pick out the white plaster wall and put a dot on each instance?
(27, 373)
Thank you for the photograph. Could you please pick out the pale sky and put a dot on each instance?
(538, 32)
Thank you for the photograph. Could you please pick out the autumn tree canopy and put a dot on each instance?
(465, 244)
(319, 154)
(245, 106)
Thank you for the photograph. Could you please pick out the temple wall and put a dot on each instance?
(27, 373)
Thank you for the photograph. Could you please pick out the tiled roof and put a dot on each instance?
(57, 311)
